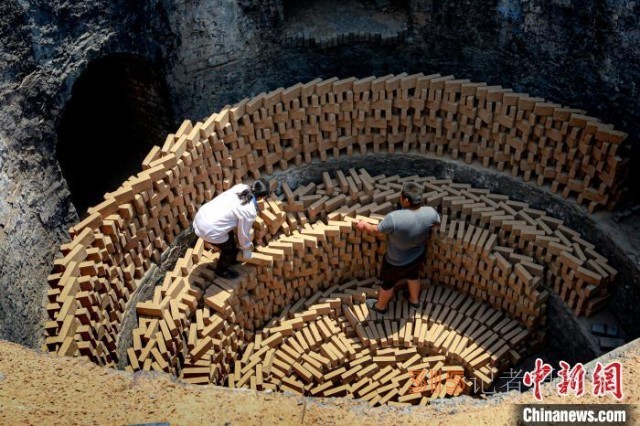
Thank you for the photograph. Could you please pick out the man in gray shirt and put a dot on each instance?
(407, 233)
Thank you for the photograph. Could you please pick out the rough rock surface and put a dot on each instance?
(45, 47)
(214, 52)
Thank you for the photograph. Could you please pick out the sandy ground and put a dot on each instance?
(43, 389)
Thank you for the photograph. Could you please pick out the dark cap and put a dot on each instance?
(260, 188)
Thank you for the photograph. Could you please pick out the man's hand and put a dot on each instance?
(368, 227)
(435, 228)
(362, 225)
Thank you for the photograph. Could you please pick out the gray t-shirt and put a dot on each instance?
(407, 232)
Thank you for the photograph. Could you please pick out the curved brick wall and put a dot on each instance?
(491, 249)
(312, 272)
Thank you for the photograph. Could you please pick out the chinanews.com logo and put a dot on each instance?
(545, 414)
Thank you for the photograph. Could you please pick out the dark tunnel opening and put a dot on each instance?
(119, 109)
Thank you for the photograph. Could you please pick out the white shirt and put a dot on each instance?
(224, 213)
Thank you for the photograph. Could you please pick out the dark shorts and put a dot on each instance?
(392, 274)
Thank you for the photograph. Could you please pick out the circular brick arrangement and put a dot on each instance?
(295, 319)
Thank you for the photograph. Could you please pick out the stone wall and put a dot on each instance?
(45, 47)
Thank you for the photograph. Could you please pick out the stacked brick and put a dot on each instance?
(467, 258)
(527, 136)
(387, 37)
(481, 327)
(332, 345)
(190, 328)
(530, 249)
(337, 347)
(112, 249)
(114, 246)
(533, 139)
(204, 313)
(481, 231)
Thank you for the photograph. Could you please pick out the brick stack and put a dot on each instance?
(113, 247)
(387, 37)
(480, 327)
(546, 251)
(330, 344)
(575, 154)
(467, 258)
(337, 347)
(483, 230)
(190, 328)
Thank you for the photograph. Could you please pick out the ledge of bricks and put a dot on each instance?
(387, 37)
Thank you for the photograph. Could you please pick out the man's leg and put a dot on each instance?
(225, 260)
(228, 254)
(385, 293)
(412, 273)
(384, 296)
(414, 290)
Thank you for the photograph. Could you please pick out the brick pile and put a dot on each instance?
(403, 357)
(328, 344)
(531, 249)
(388, 37)
(113, 247)
(482, 321)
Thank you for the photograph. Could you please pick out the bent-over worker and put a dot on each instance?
(234, 209)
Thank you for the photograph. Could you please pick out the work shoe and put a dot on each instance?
(371, 304)
(405, 295)
(229, 274)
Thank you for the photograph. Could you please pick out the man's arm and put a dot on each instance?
(368, 227)
(435, 226)
(245, 223)
(436, 222)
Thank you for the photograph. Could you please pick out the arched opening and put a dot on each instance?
(119, 109)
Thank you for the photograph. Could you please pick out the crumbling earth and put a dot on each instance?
(43, 389)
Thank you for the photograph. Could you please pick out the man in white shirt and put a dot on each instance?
(234, 209)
